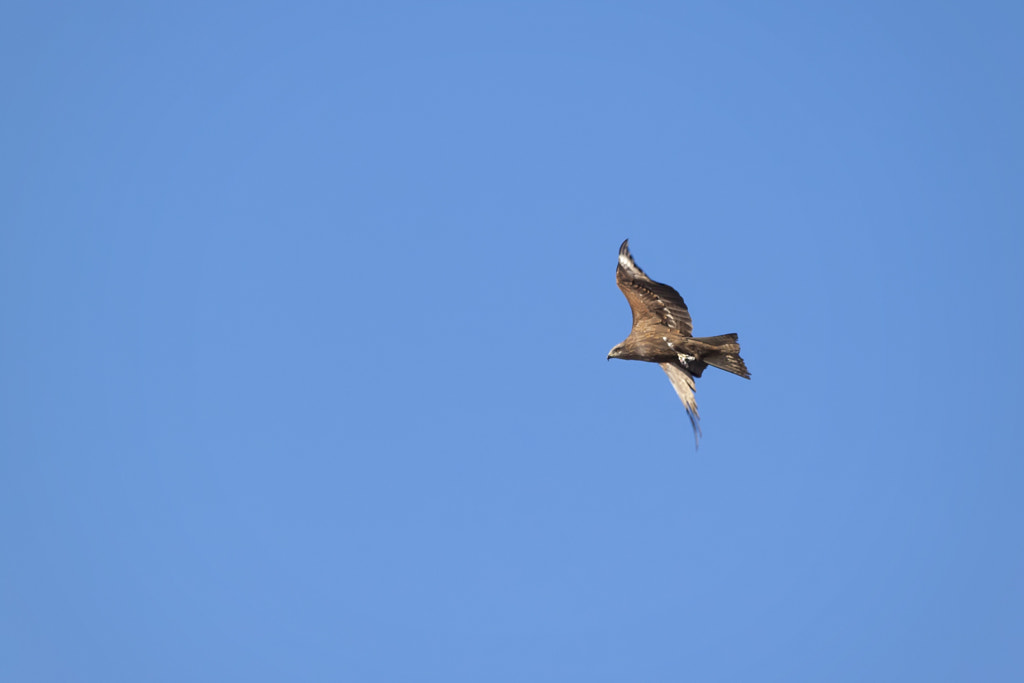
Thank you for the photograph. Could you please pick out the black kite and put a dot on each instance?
(663, 333)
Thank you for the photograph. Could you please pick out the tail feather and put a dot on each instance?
(730, 362)
(726, 355)
(731, 339)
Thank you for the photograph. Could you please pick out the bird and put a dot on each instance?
(662, 333)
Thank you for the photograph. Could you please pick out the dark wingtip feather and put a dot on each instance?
(626, 259)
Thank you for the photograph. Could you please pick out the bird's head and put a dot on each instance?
(615, 352)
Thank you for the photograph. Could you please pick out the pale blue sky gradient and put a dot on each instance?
(304, 310)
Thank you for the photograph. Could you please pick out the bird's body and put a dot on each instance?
(670, 347)
(663, 333)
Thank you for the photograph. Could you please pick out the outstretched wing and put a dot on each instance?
(652, 303)
(683, 383)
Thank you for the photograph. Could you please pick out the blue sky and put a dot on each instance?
(305, 310)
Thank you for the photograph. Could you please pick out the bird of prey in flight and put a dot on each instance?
(663, 333)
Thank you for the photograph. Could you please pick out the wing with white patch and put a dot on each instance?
(652, 303)
(684, 385)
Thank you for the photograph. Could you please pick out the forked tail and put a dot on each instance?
(726, 354)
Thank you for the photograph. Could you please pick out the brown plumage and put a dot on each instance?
(663, 333)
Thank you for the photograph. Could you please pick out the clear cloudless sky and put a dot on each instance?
(304, 310)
